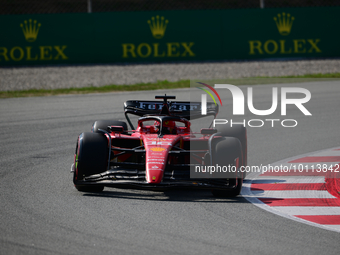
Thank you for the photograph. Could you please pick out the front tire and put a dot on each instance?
(91, 158)
(227, 152)
(239, 132)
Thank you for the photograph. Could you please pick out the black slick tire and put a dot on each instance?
(226, 152)
(91, 158)
(239, 132)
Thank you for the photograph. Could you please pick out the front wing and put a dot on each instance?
(136, 179)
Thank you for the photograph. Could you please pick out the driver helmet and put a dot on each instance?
(169, 126)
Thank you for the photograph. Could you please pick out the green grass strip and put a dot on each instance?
(157, 85)
(103, 89)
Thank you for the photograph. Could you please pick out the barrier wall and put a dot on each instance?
(166, 36)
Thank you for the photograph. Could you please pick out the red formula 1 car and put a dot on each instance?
(161, 152)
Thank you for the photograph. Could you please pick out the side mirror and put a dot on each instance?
(208, 131)
(116, 129)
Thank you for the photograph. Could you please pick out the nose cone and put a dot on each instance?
(157, 150)
(154, 176)
(156, 161)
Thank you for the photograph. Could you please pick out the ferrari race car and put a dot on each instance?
(162, 152)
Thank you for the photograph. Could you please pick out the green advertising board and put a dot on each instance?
(282, 33)
(168, 36)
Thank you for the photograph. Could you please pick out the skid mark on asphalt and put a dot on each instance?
(308, 190)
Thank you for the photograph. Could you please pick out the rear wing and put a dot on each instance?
(187, 110)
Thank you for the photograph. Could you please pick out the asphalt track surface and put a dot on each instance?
(42, 213)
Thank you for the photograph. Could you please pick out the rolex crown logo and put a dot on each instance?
(30, 30)
(284, 23)
(158, 26)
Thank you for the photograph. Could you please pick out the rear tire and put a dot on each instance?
(103, 124)
(226, 152)
(91, 158)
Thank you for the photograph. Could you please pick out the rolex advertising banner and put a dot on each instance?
(166, 36)
(281, 33)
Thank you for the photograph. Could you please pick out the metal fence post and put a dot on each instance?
(89, 6)
(261, 4)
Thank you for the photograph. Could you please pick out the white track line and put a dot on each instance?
(292, 194)
(335, 227)
(328, 153)
(308, 210)
(289, 179)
